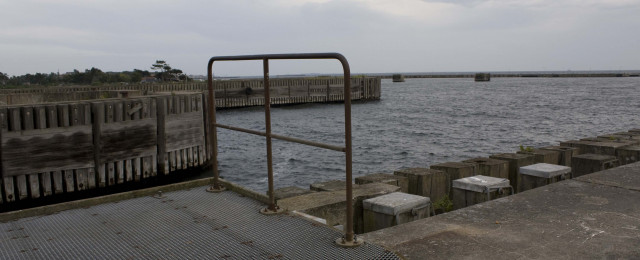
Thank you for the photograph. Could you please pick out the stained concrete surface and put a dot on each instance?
(596, 216)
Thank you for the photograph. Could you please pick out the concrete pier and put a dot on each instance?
(596, 216)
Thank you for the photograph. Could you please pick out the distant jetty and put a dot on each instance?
(519, 75)
(482, 77)
(398, 78)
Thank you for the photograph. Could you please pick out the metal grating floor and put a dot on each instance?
(189, 224)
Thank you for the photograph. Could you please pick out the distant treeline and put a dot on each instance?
(91, 76)
(95, 76)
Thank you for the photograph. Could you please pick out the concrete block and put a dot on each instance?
(620, 136)
(629, 154)
(564, 153)
(515, 162)
(544, 156)
(332, 206)
(288, 192)
(477, 189)
(454, 171)
(540, 174)
(332, 185)
(589, 163)
(597, 146)
(490, 167)
(394, 209)
(397, 180)
(426, 182)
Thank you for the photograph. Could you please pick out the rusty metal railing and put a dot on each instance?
(349, 239)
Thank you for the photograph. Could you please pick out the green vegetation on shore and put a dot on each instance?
(94, 76)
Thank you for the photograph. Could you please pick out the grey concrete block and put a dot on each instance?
(425, 182)
(620, 136)
(589, 163)
(397, 180)
(394, 209)
(515, 162)
(541, 174)
(597, 146)
(477, 189)
(544, 156)
(564, 153)
(332, 185)
(490, 167)
(629, 154)
(454, 171)
(288, 192)
(545, 170)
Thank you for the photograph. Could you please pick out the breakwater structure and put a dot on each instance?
(519, 75)
(457, 185)
(64, 140)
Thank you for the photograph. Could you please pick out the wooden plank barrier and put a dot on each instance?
(47, 149)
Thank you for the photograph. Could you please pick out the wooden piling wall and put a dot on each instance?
(229, 93)
(50, 149)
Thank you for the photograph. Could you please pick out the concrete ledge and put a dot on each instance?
(625, 177)
(331, 205)
(593, 217)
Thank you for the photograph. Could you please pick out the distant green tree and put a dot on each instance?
(137, 75)
(162, 68)
(3, 78)
(166, 73)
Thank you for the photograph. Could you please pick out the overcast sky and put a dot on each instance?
(374, 35)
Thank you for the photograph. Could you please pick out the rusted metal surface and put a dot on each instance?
(267, 121)
(349, 234)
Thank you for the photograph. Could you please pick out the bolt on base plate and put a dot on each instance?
(341, 242)
(214, 190)
(267, 211)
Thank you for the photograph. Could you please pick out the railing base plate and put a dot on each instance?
(341, 242)
(267, 211)
(214, 190)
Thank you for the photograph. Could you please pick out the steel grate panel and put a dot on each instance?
(190, 224)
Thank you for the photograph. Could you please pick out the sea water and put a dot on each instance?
(422, 122)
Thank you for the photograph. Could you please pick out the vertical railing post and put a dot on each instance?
(271, 208)
(349, 239)
(213, 132)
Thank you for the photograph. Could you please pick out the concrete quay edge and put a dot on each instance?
(594, 216)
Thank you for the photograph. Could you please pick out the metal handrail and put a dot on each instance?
(349, 238)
